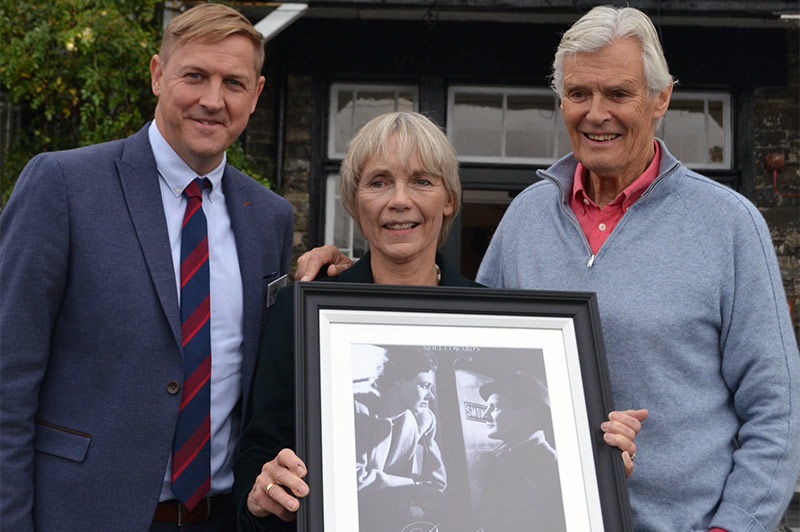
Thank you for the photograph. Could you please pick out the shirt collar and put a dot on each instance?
(174, 170)
(628, 196)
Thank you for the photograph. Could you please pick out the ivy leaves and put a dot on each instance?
(73, 73)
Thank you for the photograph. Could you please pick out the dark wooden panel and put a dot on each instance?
(700, 57)
(714, 7)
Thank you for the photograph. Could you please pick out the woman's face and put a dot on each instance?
(416, 393)
(401, 207)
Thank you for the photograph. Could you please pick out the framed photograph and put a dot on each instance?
(424, 409)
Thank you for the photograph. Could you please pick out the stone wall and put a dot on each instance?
(776, 128)
(297, 157)
(262, 139)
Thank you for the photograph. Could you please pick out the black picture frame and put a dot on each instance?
(335, 319)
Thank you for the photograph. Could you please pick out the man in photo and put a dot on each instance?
(521, 483)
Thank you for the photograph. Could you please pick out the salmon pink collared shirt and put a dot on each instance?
(598, 223)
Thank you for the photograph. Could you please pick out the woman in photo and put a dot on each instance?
(400, 474)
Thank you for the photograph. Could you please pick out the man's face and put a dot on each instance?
(503, 420)
(608, 112)
(206, 93)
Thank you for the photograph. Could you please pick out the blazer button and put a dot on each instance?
(173, 387)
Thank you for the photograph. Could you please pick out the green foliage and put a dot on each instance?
(237, 158)
(77, 71)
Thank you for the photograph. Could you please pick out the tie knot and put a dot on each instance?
(195, 188)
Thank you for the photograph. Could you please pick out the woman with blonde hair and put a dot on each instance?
(399, 182)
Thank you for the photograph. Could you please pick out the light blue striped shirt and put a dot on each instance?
(227, 313)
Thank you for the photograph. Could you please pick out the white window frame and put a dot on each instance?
(505, 92)
(332, 179)
(338, 88)
(331, 197)
(727, 127)
(558, 124)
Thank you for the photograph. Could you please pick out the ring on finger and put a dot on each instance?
(633, 456)
(269, 488)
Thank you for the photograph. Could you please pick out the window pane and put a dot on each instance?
(360, 244)
(341, 226)
(344, 120)
(684, 130)
(352, 106)
(529, 126)
(716, 133)
(477, 124)
(405, 102)
(370, 104)
(564, 146)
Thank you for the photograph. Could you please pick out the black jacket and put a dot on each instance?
(271, 421)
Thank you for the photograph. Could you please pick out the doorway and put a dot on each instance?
(481, 211)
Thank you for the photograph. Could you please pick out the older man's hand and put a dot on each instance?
(277, 488)
(621, 430)
(311, 262)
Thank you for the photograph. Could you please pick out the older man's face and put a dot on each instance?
(609, 115)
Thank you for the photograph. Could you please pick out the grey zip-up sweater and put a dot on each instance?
(697, 330)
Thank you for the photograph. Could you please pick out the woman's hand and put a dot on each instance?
(311, 262)
(620, 431)
(278, 487)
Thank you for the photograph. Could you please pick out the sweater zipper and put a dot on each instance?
(571, 217)
(574, 220)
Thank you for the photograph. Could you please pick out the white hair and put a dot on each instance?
(602, 26)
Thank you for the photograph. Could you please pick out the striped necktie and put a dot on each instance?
(191, 447)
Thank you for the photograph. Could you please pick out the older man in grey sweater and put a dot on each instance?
(694, 315)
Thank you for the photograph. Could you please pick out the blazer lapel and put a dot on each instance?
(248, 248)
(139, 178)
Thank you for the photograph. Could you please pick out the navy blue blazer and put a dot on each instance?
(90, 332)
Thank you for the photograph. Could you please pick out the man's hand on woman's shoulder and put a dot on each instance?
(311, 262)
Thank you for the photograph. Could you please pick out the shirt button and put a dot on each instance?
(173, 387)
(177, 191)
(602, 227)
(585, 201)
(211, 196)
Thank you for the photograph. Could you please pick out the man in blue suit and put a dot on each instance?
(92, 366)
